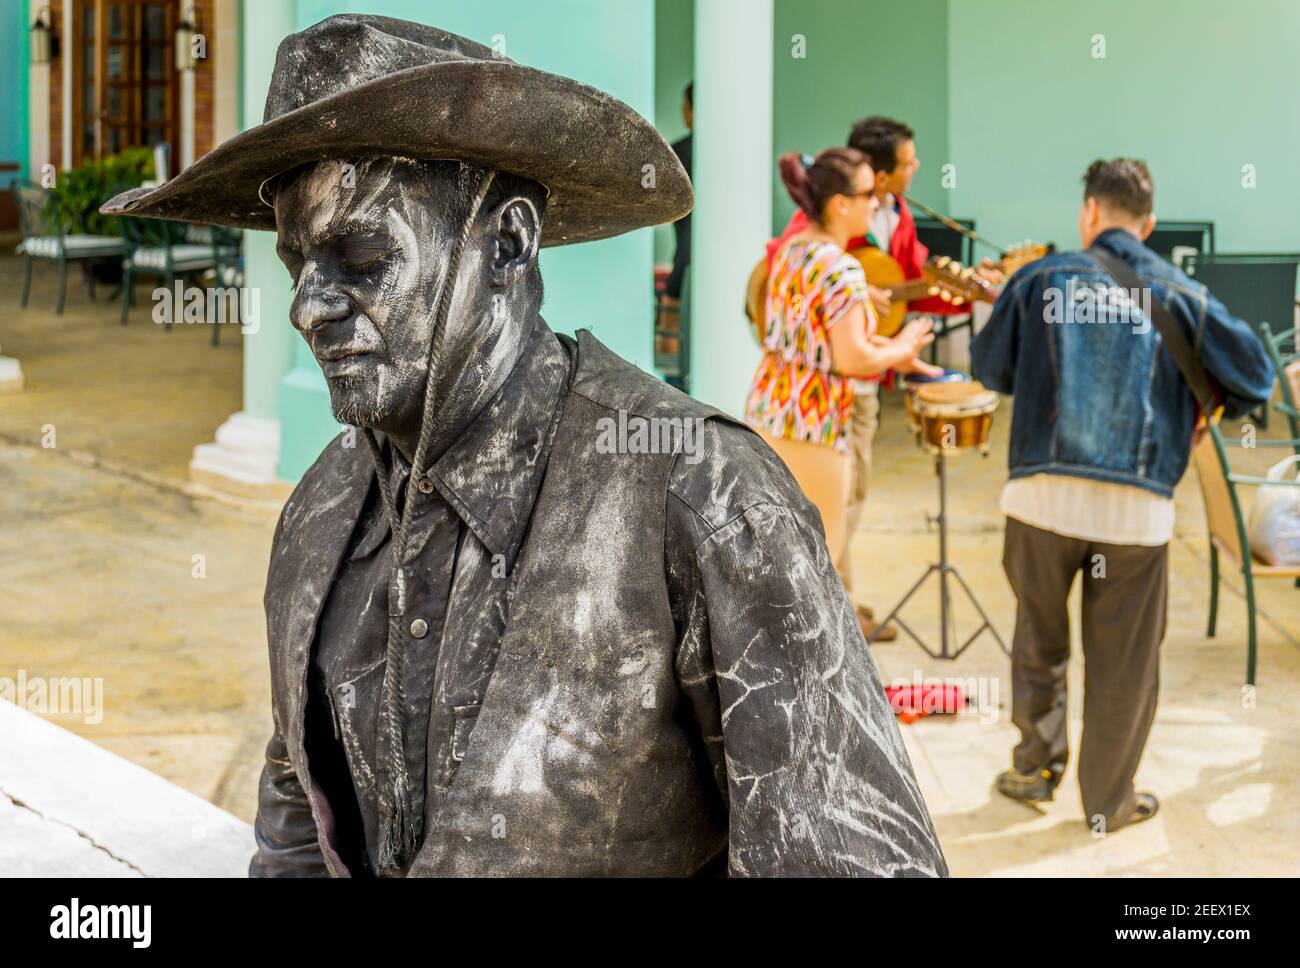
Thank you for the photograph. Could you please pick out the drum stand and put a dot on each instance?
(948, 635)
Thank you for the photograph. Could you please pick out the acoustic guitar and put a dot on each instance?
(1020, 255)
(943, 277)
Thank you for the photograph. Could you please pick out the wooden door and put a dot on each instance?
(125, 83)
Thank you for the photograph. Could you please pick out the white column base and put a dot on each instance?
(11, 374)
(243, 460)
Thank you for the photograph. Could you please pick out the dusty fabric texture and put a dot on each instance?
(492, 474)
(666, 679)
(355, 85)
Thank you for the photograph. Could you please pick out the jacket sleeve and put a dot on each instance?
(1235, 357)
(284, 829)
(995, 350)
(803, 740)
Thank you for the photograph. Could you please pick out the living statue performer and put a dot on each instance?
(533, 612)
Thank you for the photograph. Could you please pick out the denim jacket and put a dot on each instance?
(1096, 394)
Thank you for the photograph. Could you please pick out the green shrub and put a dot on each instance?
(77, 194)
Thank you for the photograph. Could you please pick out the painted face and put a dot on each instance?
(366, 251)
(368, 245)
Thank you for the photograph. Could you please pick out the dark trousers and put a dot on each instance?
(1124, 602)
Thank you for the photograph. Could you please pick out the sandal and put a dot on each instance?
(866, 619)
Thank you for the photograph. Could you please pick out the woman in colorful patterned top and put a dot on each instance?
(820, 333)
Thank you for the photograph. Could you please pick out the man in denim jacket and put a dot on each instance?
(1101, 434)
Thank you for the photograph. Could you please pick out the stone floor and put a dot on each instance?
(111, 565)
(99, 577)
(1223, 760)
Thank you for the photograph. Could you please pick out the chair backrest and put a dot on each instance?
(1190, 234)
(1282, 351)
(1257, 288)
(1222, 511)
(225, 242)
(151, 233)
(133, 232)
(37, 214)
(941, 240)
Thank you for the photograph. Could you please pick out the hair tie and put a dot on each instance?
(806, 161)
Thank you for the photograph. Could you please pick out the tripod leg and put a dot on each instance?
(893, 615)
(984, 615)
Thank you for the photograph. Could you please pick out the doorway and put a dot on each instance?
(125, 90)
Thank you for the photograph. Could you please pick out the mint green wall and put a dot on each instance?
(733, 209)
(15, 52)
(862, 58)
(1198, 88)
(674, 69)
(1007, 91)
(601, 286)
(268, 353)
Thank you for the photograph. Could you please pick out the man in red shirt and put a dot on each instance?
(891, 147)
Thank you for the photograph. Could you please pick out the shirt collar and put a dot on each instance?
(1120, 241)
(492, 472)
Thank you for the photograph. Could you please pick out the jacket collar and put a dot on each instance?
(1122, 243)
(492, 472)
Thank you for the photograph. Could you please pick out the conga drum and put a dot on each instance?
(912, 383)
(956, 416)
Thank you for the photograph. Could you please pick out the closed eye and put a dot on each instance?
(364, 251)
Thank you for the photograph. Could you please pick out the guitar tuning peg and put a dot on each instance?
(958, 300)
(933, 291)
(943, 261)
(944, 296)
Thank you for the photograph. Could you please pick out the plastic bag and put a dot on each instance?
(1274, 525)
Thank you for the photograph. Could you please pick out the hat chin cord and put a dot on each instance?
(399, 825)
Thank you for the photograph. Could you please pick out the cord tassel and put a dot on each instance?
(400, 825)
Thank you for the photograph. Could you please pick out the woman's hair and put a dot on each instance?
(812, 182)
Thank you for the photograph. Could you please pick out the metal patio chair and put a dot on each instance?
(45, 237)
(1227, 525)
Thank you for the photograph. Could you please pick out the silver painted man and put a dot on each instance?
(512, 631)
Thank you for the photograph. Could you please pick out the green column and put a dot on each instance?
(302, 399)
(246, 456)
(733, 191)
(268, 353)
(602, 286)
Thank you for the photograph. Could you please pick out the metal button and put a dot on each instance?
(419, 628)
(425, 485)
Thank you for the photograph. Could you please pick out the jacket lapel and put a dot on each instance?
(310, 541)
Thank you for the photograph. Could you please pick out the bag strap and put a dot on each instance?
(1175, 340)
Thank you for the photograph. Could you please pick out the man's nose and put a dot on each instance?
(316, 304)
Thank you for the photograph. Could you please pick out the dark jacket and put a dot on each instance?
(1097, 394)
(682, 227)
(679, 685)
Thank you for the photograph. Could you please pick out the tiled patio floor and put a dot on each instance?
(97, 578)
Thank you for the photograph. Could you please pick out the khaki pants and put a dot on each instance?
(823, 475)
(1123, 613)
(864, 421)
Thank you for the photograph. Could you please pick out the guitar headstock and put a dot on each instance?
(956, 283)
(1021, 254)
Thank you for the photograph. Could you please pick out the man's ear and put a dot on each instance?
(1147, 228)
(516, 238)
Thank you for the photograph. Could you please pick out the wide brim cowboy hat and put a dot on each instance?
(354, 86)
